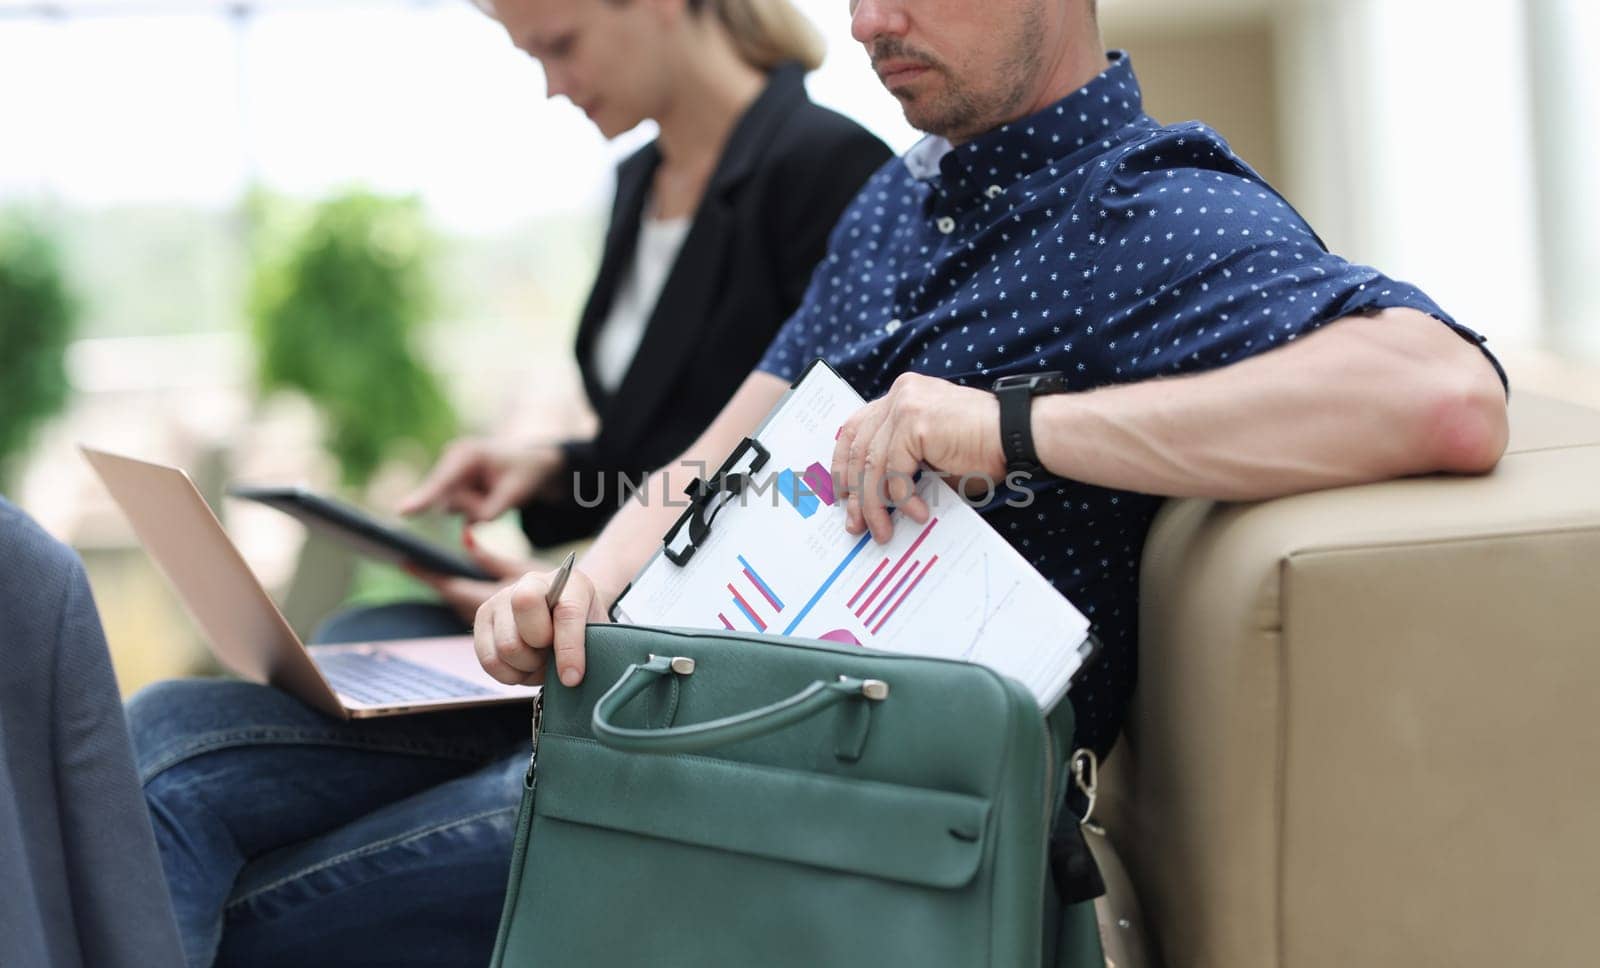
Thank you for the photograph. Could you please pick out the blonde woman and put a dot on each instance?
(290, 838)
(716, 226)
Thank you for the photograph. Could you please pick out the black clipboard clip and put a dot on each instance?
(707, 497)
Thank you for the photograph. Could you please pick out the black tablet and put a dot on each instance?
(360, 530)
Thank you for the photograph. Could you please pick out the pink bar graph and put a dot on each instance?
(738, 600)
(864, 584)
(892, 571)
(763, 590)
(884, 603)
(905, 594)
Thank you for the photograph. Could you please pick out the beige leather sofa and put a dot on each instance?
(1367, 729)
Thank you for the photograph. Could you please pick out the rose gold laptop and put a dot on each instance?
(250, 636)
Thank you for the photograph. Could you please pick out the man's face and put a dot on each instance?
(958, 67)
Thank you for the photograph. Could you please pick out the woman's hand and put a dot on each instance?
(921, 422)
(482, 479)
(466, 595)
(517, 629)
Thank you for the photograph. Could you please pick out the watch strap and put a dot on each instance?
(1016, 428)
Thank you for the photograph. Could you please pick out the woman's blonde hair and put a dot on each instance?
(767, 32)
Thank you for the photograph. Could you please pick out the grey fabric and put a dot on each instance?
(82, 883)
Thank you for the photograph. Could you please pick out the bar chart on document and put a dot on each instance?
(780, 562)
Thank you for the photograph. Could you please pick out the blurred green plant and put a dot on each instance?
(337, 304)
(37, 318)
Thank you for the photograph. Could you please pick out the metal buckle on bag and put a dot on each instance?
(875, 689)
(533, 757)
(680, 664)
(1086, 776)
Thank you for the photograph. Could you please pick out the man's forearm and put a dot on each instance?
(1363, 399)
(635, 531)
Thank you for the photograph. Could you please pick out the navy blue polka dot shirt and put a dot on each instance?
(1090, 239)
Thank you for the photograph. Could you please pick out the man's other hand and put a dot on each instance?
(516, 631)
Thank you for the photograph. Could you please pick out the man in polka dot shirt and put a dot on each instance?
(1203, 341)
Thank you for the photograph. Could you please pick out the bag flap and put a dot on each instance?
(917, 836)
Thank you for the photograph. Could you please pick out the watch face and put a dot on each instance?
(1050, 382)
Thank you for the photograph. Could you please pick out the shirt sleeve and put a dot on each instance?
(1200, 264)
(792, 349)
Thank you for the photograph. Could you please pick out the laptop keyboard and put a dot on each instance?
(381, 679)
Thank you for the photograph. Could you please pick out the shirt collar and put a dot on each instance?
(1087, 116)
(923, 158)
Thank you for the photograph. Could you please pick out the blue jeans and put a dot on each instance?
(289, 837)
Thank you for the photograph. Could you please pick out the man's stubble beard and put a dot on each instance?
(959, 112)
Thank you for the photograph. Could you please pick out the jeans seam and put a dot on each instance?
(365, 850)
(195, 746)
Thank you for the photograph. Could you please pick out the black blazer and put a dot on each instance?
(785, 176)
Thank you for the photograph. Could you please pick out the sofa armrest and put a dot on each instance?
(1361, 734)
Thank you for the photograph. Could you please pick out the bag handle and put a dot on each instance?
(809, 701)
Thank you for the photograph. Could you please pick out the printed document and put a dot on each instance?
(777, 560)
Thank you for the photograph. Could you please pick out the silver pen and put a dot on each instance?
(560, 583)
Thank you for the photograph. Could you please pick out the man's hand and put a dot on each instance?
(923, 421)
(482, 479)
(516, 630)
(466, 595)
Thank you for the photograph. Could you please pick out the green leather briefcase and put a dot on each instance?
(707, 799)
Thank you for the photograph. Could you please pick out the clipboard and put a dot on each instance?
(680, 541)
(761, 547)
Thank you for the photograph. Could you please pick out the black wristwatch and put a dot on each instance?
(1016, 394)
